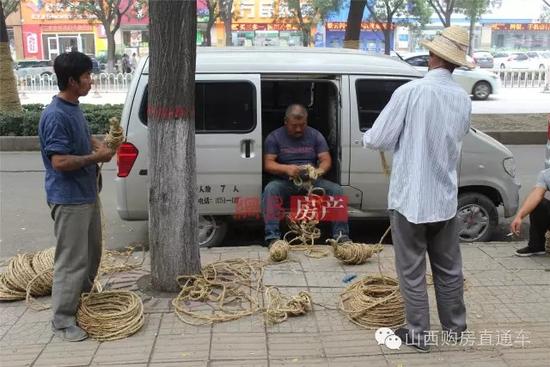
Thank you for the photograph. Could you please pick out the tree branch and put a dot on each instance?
(546, 2)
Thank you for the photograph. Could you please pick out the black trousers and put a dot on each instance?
(540, 223)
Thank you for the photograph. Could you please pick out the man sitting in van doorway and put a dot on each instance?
(537, 207)
(287, 149)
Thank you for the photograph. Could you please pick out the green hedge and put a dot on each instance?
(26, 123)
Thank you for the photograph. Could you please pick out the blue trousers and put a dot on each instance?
(279, 191)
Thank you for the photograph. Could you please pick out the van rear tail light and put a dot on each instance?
(127, 154)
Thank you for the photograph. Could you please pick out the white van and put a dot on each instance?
(241, 96)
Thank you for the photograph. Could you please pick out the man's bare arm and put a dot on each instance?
(533, 199)
(66, 162)
(272, 166)
(325, 162)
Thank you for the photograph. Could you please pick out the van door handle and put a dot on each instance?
(247, 148)
(142, 172)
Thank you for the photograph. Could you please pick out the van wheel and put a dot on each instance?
(212, 230)
(477, 217)
(481, 91)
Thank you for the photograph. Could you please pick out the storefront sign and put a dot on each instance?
(251, 27)
(545, 27)
(32, 43)
(67, 28)
(365, 26)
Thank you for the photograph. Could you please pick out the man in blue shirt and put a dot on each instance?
(70, 155)
(287, 150)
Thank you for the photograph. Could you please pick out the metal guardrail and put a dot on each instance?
(524, 78)
(103, 82)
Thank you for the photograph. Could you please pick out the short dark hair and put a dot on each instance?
(297, 110)
(71, 65)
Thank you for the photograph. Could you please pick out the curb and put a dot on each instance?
(32, 143)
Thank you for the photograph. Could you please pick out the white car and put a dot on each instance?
(479, 83)
(514, 60)
(540, 60)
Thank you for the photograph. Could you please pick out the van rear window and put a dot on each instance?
(219, 107)
(372, 97)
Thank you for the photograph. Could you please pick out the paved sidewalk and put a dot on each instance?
(508, 302)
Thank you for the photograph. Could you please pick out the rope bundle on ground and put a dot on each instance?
(110, 315)
(278, 251)
(280, 307)
(352, 253)
(29, 274)
(227, 287)
(373, 302)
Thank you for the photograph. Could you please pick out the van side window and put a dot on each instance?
(219, 107)
(372, 97)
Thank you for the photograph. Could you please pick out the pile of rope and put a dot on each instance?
(110, 315)
(373, 302)
(352, 253)
(230, 288)
(280, 307)
(27, 275)
(278, 251)
(31, 274)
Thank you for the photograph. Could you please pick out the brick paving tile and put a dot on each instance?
(294, 345)
(19, 355)
(181, 348)
(67, 354)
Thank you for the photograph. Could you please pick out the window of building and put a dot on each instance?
(220, 107)
(372, 97)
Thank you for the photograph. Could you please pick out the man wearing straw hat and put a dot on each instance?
(424, 124)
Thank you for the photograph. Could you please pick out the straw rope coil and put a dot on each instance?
(352, 253)
(29, 274)
(110, 315)
(373, 302)
(278, 251)
(115, 136)
(280, 307)
(229, 288)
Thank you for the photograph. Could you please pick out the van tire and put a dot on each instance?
(212, 230)
(477, 217)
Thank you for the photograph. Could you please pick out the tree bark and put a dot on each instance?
(353, 26)
(226, 12)
(387, 38)
(111, 49)
(472, 29)
(9, 98)
(173, 215)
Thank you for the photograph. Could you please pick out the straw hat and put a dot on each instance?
(451, 45)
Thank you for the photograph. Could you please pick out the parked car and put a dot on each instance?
(483, 59)
(539, 59)
(241, 98)
(479, 83)
(515, 60)
(33, 68)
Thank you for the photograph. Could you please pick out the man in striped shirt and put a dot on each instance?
(424, 125)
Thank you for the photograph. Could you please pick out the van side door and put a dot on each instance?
(368, 97)
(228, 142)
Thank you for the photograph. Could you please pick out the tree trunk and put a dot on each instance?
(9, 98)
(353, 27)
(173, 215)
(208, 33)
(111, 50)
(472, 29)
(226, 12)
(387, 38)
(447, 19)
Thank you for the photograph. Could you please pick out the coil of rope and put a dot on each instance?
(230, 287)
(278, 251)
(280, 307)
(110, 315)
